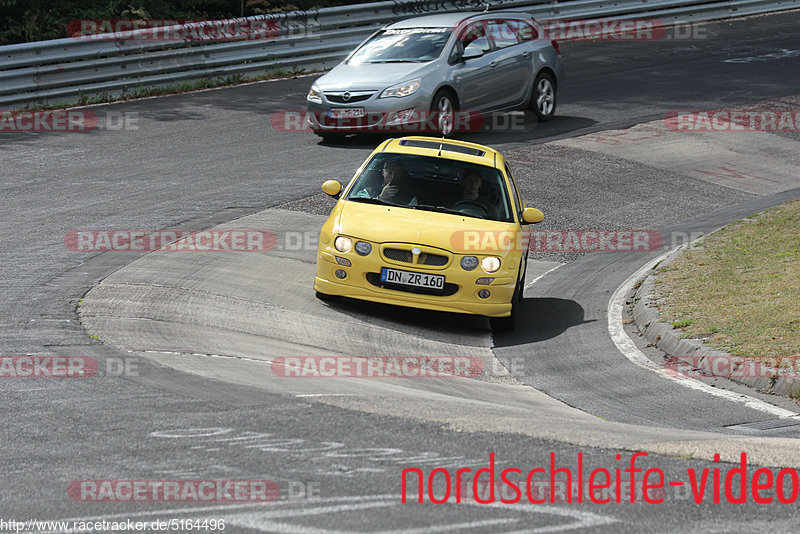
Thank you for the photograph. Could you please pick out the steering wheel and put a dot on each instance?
(471, 207)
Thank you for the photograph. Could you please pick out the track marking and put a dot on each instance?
(329, 395)
(266, 520)
(626, 346)
(530, 284)
(263, 516)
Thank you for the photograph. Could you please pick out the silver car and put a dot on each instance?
(437, 73)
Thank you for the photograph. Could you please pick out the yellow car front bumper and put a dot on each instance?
(465, 299)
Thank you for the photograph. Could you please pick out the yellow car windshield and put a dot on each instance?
(434, 183)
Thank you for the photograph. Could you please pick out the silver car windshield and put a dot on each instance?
(433, 184)
(402, 45)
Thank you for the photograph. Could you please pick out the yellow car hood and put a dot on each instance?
(390, 224)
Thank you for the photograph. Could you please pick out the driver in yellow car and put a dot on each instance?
(394, 187)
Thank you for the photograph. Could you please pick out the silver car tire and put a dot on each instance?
(444, 106)
(543, 99)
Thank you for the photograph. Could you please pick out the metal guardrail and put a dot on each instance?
(61, 71)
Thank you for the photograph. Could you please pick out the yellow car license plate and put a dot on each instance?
(408, 278)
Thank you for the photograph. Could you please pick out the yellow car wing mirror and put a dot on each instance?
(532, 215)
(332, 188)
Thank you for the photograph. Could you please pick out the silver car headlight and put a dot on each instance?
(402, 89)
(314, 94)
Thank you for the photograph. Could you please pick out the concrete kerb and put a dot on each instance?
(691, 353)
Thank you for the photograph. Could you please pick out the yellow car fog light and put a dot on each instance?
(484, 293)
(490, 264)
(341, 273)
(343, 244)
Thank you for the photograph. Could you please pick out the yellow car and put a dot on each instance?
(428, 223)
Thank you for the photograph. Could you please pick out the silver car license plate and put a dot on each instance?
(346, 113)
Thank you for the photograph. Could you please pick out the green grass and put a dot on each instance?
(741, 288)
(683, 323)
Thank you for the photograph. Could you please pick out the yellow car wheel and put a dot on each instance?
(506, 324)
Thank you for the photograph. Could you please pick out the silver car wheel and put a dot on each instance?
(543, 102)
(544, 99)
(443, 106)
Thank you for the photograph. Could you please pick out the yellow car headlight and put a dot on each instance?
(490, 264)
(363, 248)
(469, 263)
(343, 244)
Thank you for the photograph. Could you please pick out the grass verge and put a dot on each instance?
(740, 288)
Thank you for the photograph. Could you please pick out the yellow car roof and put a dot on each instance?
(444, 148)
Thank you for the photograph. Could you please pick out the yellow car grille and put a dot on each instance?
(425, 258)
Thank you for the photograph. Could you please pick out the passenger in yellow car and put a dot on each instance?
(472, 183)
(394, 187)
(470, 200)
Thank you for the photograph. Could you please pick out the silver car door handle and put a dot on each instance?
(493, 64)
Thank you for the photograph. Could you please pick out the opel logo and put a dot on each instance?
(346, 96)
